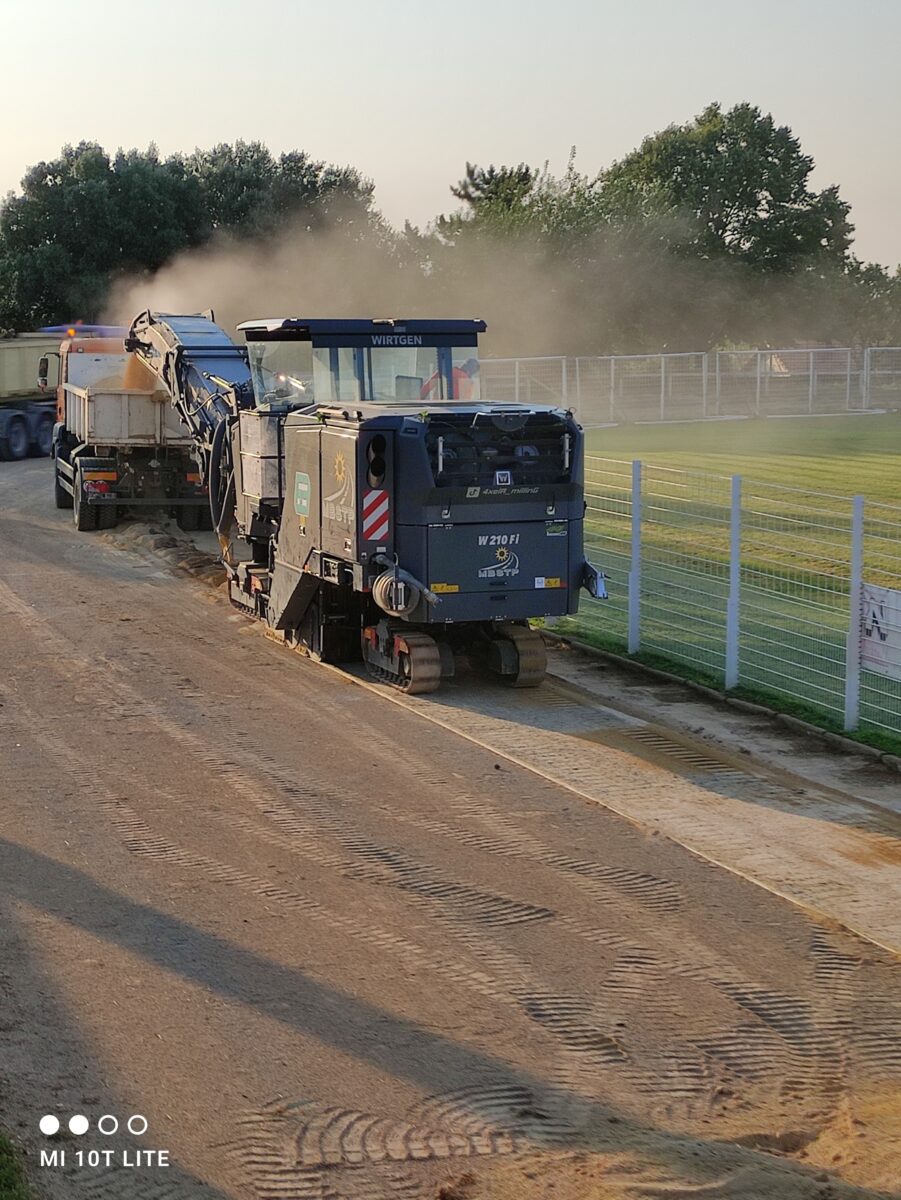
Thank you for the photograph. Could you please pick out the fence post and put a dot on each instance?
(516, 380)
(704, 368)
(865, 378)
(612, 389)
(733, 604)
(757, 387)
(635, 566)
(717, 369)
(848, 386)
(812, 383)
(662, 388)
(855, 597)
(563, 381)
(578, 387)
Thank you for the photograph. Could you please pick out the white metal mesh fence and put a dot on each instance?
(526, 380)
(795, 584)
(882, 377)
(638, 387)
(787, 382)
(685, 567)
(686, 387)
(608, 523)
(780, 590)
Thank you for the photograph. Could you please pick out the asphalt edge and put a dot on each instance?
(836, 741)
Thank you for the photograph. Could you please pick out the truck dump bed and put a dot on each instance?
(19, 358)
(123, 417)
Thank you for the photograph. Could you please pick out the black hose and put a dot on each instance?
(227, 510)
(217, 498)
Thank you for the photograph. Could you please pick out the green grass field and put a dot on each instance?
(798, 478)
(845, 456)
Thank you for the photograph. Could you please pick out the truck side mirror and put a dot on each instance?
(43, 372)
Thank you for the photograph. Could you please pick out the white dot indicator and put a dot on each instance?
(79, 1125)
(49, 1125)
(108, 1124)
(137, 1125)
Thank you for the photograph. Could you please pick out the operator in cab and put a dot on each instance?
(463, 383)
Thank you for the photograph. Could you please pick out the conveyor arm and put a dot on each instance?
(206, 375)
(208, 380)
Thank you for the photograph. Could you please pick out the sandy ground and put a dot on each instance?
(833, 849)
(331, 949)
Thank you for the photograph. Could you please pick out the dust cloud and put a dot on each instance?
(611, 294)
(526, 298)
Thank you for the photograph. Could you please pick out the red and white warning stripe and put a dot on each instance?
(375, 515)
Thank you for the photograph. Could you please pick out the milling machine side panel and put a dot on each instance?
(339, 500)
(300, 529)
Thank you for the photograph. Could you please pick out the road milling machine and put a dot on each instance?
(369, 501)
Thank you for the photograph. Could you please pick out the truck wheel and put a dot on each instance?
(16, 439)
(187, 517)
(107, 516)
(62, 498)
(84, 514)
(43, 437)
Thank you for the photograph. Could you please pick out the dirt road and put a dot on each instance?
(332, 950)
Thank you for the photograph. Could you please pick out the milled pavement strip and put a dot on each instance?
(819, 874)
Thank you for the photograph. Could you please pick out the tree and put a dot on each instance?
(504, 187)
(246, 190)
(708, 233)
(81, 220)
(234, 181)
(733, 185)
(319, 192)
(81, 217)
(160, 209)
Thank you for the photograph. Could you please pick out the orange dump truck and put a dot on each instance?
(117, 442)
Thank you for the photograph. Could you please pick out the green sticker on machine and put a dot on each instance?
(301, 494)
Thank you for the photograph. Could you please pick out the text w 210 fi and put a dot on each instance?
(369, 500)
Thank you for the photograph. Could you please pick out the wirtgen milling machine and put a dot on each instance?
(385, 507)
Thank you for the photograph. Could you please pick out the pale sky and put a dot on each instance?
(407, 92)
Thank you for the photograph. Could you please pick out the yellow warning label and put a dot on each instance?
(444, 587)
(553, 582)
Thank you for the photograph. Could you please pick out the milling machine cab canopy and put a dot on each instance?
(346, 362)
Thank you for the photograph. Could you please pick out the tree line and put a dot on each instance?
(709, 234)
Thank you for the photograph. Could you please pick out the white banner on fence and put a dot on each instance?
(881, 630)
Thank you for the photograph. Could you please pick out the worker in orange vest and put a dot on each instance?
(463, 382)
